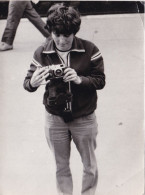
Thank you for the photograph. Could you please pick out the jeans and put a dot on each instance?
(16, 11)
(83, 132)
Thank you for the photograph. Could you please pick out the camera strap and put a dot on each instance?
(67, 113)
(69, 103)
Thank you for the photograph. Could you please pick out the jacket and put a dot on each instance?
(87, 61)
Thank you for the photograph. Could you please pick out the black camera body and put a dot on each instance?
(55, 71)
(59, 95)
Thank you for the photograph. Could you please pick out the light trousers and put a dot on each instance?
(17, 9)
(83, 132)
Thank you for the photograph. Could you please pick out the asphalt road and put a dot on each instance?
(26, 163)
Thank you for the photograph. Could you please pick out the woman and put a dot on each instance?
(70, 97)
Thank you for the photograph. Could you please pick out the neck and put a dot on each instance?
(63, 50)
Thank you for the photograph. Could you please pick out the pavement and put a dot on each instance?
(26, 163)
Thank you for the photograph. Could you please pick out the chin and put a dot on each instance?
(63, 48)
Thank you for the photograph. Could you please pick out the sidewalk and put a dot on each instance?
(26, 163)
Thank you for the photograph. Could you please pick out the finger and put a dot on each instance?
(70, 78)
(45, 73)
(71, 72)
(40, 75)
(44, 82)
(47, 81)
(37, 73)
(43, 69)
(43, 76)
(38, 68)
(67, 69)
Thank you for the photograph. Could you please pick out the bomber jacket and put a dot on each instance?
(87, 61)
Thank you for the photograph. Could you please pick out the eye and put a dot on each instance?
(57, 35)
(66, 35)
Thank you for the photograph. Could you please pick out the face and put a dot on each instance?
(62, 42)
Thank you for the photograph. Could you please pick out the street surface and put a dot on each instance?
(26, 163)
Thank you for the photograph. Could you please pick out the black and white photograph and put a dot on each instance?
(72, 97)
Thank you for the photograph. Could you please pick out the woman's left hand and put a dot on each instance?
(71, 75)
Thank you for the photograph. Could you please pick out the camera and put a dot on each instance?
(58, 94)
(59, 97)
(56, 71)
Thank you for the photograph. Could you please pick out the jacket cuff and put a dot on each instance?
(84, 81)
(30, 88)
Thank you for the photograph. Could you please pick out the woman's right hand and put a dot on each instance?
(39, 77)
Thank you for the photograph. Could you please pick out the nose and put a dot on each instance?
(62, 39)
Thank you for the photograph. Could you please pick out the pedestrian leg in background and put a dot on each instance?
(15, 13)
(59, 139)
(84, 132)
(35, 19)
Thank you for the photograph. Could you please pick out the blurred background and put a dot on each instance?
(85, 7)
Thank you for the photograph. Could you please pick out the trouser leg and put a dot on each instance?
(35, 19)
(15, 13)
(59, 138)
(84, 132)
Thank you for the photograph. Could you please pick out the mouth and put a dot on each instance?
(63, 45)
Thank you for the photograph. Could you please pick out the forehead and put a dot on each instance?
(61, 35)
(61, 29)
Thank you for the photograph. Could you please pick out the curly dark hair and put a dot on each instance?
(63, 19)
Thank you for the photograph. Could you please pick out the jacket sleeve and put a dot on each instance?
(95, 80)
(33, 66)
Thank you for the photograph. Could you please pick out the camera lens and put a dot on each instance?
(58, 72)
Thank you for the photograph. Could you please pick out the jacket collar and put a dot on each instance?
(77, 46)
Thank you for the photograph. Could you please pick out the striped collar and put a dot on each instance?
(77, 46)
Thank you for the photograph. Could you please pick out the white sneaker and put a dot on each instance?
(5, 46)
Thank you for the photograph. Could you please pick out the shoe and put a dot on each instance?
(5, 46)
